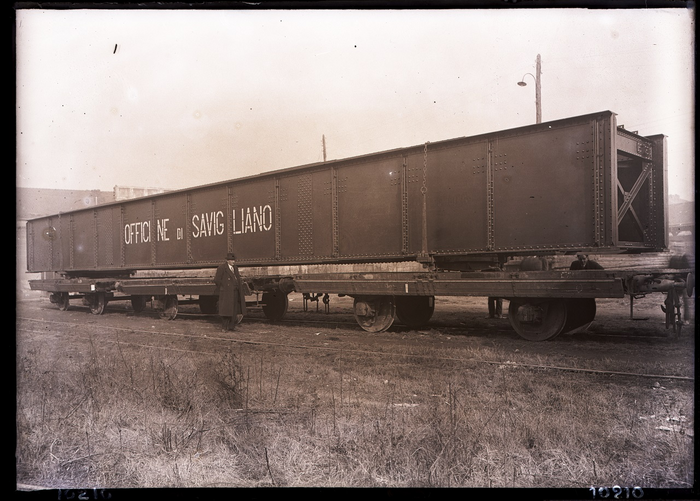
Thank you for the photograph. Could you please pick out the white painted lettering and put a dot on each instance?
(248, 222)
(208, 224)
(257, 219)
(137, 233)
(220, 224)
(252, 219)
(233, 223)
(209, 221)
(195, 225)
(265, 211)
(203, 228)
(163, 230)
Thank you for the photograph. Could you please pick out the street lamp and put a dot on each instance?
(538, 94)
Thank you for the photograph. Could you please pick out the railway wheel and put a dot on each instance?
(138, 303)
(96, 302)
(414, 311)
(169, 308)
(61, 300)
(374, 314)
(209, 304)
(580, 314)
(537, 320)
(275, 304)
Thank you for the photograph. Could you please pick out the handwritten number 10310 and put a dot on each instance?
(83, 495)
(616, 492)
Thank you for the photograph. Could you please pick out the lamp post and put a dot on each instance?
(538, 92)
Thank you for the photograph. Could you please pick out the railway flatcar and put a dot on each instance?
(457, 207)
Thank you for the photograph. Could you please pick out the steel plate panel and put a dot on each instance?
(84, 240)
(658, 200)
(105, 237)
(170, 213)
(254, 220)
(369, 208)
(63, 245)
(413, 182)
(58, 258)
(135, 233)
(322, 210)
(290, 217)
(207, 224)
(543, 188)
(305, 209)
(41, 237)
(457, 198)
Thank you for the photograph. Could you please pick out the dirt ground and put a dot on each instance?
(457, 322)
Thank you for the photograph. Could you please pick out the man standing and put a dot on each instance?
(495, 303)
(231, 297)
(583, 263)
(495, 307)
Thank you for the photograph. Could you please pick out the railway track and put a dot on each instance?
(502, 329)
(640, 332)
(206, 338)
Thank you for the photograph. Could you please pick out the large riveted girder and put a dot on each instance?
(454, 203)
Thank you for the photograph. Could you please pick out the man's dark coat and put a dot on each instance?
(231, 296)
(590, 265)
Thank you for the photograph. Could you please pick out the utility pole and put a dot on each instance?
(538, 91)
(323, 142)
(538, 88)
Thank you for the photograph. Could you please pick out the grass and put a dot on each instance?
(257, 416)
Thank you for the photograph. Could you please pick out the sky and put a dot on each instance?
(173, 99)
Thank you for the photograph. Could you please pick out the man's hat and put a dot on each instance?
(230, 256)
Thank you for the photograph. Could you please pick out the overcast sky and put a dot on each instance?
(174, 99)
